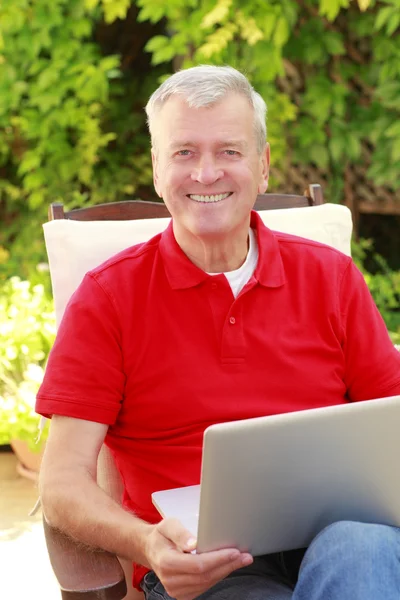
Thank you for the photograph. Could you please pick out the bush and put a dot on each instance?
(384, 285)
(75, 75)
(27, 331)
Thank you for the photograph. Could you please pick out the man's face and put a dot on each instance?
(206, 166)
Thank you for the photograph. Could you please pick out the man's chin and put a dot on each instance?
(210, 231)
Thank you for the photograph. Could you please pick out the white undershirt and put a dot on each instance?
(237, 279)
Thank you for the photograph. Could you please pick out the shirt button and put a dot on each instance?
(232, 320)
(213, 286)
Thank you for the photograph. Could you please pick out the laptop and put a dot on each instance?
(270, 484)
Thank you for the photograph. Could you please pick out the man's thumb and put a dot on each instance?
(178, 534)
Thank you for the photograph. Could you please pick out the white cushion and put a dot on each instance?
(75, 247)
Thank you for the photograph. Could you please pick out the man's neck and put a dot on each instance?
(216, 255)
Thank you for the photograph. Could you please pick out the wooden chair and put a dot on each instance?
(138, 209)
(92, 575)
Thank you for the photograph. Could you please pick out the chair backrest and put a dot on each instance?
(81, 239)
(139, 209)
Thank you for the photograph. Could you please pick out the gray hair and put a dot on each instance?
(203, 86)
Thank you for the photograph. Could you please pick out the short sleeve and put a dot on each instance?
(84, 376)
(372, 361)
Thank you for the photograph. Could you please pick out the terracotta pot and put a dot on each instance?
(28, 462)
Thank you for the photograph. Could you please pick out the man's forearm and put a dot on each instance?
(86, 513)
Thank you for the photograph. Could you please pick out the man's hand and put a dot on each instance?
(184, 575)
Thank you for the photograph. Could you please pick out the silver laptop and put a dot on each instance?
(272, 483)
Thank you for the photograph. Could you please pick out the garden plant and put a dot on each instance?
(75, 75)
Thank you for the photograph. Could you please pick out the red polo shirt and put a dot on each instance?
(157, 349)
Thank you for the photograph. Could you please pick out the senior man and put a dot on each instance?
(216, 319)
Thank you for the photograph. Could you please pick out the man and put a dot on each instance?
(216, 319)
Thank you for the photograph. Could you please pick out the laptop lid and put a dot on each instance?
(272, 483)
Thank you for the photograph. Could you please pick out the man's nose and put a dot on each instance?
(207, 171)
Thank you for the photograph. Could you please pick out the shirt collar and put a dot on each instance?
(270, 271)
(182, 273)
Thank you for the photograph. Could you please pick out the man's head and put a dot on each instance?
(204, 86)
(210, 156)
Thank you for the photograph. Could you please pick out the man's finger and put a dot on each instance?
(223, 570)
(220, 563)
(174, 531)
(200, 579)
(199, 564)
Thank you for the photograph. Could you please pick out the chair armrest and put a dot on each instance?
(83, 573)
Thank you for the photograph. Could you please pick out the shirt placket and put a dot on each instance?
(228, 315)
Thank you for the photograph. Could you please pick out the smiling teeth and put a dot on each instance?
(213, 198)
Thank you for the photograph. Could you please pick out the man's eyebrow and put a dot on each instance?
(221, 144)
(182, 144)
(233, 144)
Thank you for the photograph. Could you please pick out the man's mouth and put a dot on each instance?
(209, 198)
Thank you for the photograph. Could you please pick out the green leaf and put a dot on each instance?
(163, 55)
(156, 43)
(115, 9)
(307, 134)
(217, 15)
(331, 8)
(91, 4)
(281, 32)
(109, 63)
(364, 4)
(383, 17)
(30, 161)
(47, 78)
(217, 42)
(389, 93)
(336, 148)
(35, 200)
(82, 28)
(319, 155)
(395, 153)
(249, 29)
(393, 131)
(34, 180)
(47, 101)
(152, 12)
(393, 24)
(334, 43)
(93, 86)
(353, 147)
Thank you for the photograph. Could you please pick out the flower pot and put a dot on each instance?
(28, 462)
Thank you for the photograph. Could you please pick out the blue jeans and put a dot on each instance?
(346, 561)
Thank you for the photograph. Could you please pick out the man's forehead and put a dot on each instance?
(232, 115)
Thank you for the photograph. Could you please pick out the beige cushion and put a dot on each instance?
(75, 247)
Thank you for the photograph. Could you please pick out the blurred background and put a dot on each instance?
(74, 78)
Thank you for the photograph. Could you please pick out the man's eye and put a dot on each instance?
(232, 152)
(183, 152)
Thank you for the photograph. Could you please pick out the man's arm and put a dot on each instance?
(74, 503)
(71, 499)
(372, 364)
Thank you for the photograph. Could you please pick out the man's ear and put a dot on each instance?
(264, 176)
(155, 173)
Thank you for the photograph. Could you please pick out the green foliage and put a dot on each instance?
(250, 36)
(384, 285)
(75, 75)
(331, 8)
(113, 9)
(72, 123)
(67, 130)
(344, 104)
(27, 330)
